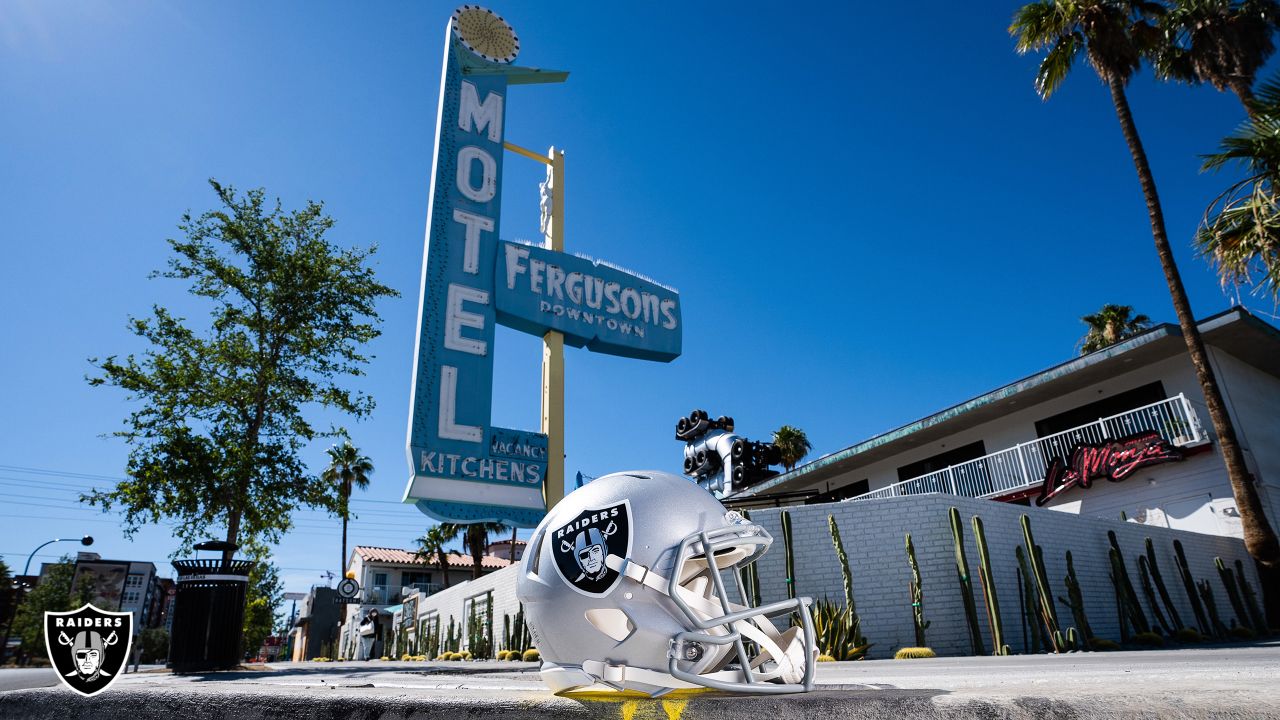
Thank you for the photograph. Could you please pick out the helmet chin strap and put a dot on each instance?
(786, 649)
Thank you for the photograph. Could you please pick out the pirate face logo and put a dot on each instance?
(88, 647)
(582, 546)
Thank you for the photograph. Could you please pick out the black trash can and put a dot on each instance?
(208, 614)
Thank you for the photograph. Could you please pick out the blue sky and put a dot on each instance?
(869, 213)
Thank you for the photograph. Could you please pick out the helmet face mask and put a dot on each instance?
(624, 586)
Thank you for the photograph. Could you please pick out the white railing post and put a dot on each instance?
(1022, 462)
(1102, 426)
(951, 476)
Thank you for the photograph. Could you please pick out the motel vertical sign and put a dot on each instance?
(465, 469)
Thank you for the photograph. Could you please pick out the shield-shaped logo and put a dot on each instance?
(88, 647)
(581, 546)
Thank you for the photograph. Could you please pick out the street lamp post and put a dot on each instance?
(87, 540)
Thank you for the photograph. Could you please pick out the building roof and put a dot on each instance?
(369, 553)
(1237, 331)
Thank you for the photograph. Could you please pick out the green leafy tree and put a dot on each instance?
(1220, 42)
(1110, 325)
(52, 594)
(154, 645)
(792, 444)
(1240, 233)
(1113, 36)
(223, 408)
(475, 538)
(347, 469)
(431, 546)
(264, 600)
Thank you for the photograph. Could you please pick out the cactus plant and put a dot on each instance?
(790, 580)
(531, 655)
(853, 622)
(990, 599)
(1256, 617)
(1044, 594)
(966, 586)
(1027, 604)
(1075, 601)
(1154, 568)
(1125, 586)
(1211, 607)
(1189, 585)
(1144, 572)
(836, 632)
(1233, 593)
(917, 594)
(914, 653)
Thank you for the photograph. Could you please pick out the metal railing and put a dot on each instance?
(1023, 465)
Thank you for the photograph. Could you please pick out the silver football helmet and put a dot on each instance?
(623, 585)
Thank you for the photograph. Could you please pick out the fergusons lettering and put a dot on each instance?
(586, 296)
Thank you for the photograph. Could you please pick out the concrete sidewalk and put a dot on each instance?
(1235, 682)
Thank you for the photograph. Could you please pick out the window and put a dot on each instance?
(942, 461)
(380, 579)
(1106, 407)
(853, 489)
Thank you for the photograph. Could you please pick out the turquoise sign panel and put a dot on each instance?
(465, 470)
(595, 305)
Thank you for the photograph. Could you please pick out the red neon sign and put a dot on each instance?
(1115, 461)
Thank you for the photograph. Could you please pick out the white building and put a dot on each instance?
(999, 445)
(387, 577)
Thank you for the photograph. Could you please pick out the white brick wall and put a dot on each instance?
(454, 602)
(874, 538)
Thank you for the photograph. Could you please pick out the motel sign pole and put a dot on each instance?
(553, 350)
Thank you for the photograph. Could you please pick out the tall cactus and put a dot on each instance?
(1211, 606)
(1044, 595)
(1233, 594)
(1251, 601)
(1144, 572)
(850, 609)
(966, 587)
(1189, 585)
(1125, 585)
(917, 595)
(991, 600)
(1030, 605)
(1158, 580)
(790, 558)
(1075, 601)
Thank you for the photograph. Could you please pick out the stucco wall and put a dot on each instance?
(874, 537)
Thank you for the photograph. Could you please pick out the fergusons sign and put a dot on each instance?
(465, 469)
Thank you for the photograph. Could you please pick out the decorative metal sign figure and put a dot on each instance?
(464, 469)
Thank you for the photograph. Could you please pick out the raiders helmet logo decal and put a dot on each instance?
(88, 647)
(581, 546)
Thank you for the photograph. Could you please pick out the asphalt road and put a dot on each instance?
(21, 678)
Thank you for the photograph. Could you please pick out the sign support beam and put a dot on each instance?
(553, 350)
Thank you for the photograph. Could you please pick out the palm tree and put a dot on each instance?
(792, 444)
(347, 469)
(432, 546)
(1110, 325)
(1113, 35)
(1220, 42)
(475, 538)
(1241, 229)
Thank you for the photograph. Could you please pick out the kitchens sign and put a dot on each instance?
(464, 469)
(1114, 461)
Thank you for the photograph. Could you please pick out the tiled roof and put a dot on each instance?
(406, 557)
